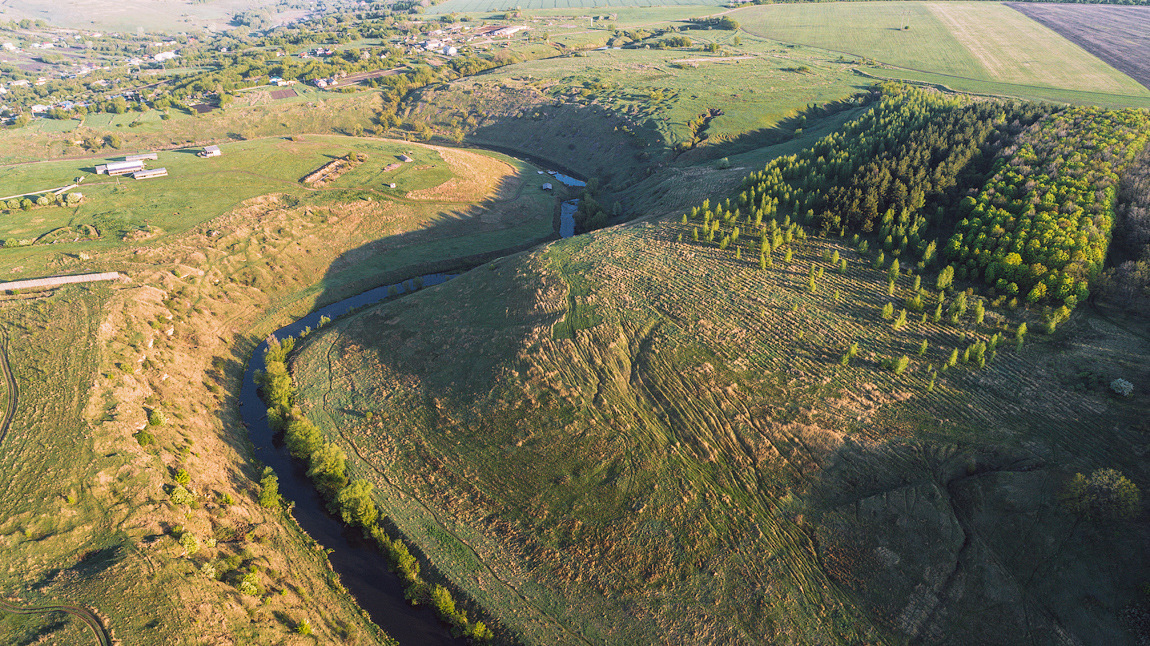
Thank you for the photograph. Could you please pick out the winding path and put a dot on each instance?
(83, 614)
(11, 390)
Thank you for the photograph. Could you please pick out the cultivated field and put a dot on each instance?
(978, 41)
(476, 6)
(1116, 35)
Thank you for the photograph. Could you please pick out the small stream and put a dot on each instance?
(362, 568)
(567, 209)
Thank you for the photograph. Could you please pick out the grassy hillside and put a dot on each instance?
(492, 200)
(121, 386)
(642, 436)
(615, 114)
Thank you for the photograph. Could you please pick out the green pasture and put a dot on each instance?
(672, 87)
(199, 189)
(977, 41)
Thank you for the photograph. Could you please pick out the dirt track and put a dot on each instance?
(83, 614)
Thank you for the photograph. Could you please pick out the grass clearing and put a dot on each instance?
(122, 210)
(985, 42)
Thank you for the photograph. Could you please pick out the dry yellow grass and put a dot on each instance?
(476, 178)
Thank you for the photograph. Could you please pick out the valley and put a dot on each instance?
(538, 324)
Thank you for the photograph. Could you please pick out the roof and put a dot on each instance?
(211, 149)
(125, 165)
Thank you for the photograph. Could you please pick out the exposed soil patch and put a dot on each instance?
(1117, 35)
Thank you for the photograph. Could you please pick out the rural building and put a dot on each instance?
(547, 186)
(448, 50)
(405, 159)
(150, 173)
(141, 157)
(120, 168)
(164, 56)
(210, 151)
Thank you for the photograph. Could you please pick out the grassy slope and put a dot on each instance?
(124, 210)
(91, 361)
(683, 460)
(579, 110)
(979, 47)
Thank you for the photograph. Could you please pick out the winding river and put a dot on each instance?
(362, 568)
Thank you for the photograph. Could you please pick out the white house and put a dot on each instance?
(449, 50)
(164, 56)
(210, 151)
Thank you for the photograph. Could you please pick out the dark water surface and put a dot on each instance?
(362, 568)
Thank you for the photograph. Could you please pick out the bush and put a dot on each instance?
(303, 627)
(182, 476)
(190, 543)
(145, 438)
(355, 504)
(156, 418)
(269, 489)
(1122, 387)
(180, 496)
(1105, 495)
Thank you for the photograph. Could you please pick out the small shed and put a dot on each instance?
(405, 159)
(547, 186)
(210, 151)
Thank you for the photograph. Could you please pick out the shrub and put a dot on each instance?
(355, 504)
(180, 496)
(190, 543)
(144, 438)
(1122, 387)
(900, 364)
(303, 627)
(269, 489)
(182, 476)
(888, 310)
(156, 418)
(1105, 495)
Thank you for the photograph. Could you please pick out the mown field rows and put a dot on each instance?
(977, 41)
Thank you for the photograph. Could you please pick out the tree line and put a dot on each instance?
(350, 498)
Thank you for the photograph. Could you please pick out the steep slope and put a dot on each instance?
(628, 439)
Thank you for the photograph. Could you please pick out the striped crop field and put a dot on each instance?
(967, 40)
(475, 6)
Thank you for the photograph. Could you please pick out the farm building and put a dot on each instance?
(210, 151)
(120, 168)
(141, 157)
(150, 173)
(547, 186)
(405, 159)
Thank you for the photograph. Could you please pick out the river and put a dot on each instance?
(362, 568)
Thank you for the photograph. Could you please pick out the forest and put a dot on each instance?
(1018, 196)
